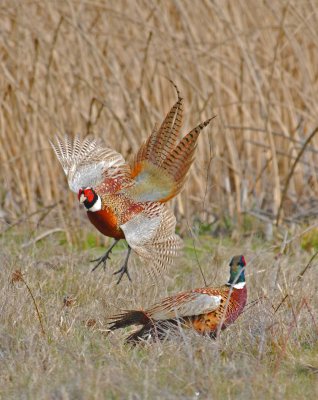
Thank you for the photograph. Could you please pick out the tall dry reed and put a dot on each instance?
(100, 68)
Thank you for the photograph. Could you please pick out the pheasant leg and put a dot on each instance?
(124, 269)
(105, 257)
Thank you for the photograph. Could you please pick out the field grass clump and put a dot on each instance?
(269, 353)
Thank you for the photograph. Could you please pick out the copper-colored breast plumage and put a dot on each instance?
(107, 223)
(226, 313)
(117, 209)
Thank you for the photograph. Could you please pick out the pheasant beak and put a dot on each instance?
(82, 198)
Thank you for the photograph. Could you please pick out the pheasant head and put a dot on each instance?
(237, 275)
(90, 199)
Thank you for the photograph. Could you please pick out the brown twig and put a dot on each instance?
(252, 303)
(299, 278)
(196, 256)
(17, 276)
(42, 236)
(291, 172)
(46, 210)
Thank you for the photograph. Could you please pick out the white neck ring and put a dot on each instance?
(97, 206)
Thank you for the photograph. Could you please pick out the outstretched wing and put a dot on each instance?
(151, 234)
(87, 163)
(184, 305)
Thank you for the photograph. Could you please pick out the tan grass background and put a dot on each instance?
(100, 67)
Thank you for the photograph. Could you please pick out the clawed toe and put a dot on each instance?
(100, 259)
(105, 257)
(123, 270)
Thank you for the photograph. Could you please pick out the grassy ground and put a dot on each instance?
(265, 355)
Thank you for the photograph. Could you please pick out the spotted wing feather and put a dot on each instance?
(87, 163)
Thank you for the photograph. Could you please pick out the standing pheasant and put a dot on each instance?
(126, 202)
(206, 310)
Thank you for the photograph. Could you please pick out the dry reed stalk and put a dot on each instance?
(92, 68)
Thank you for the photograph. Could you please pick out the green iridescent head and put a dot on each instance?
(237, 269)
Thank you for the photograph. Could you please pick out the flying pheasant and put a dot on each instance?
(206, 310)
(126, 201)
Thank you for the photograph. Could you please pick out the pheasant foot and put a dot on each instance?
(124, 269)
(105, 257)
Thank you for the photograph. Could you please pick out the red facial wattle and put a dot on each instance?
(243, 260)
(88, 193)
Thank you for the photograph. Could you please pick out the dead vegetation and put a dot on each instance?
(269, 353)
(100, 68)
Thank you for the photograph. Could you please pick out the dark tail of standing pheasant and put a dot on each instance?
(128, 318)
(150, 328)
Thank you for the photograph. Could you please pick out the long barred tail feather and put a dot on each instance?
(162, 162)
(162, 140)
(179, 160)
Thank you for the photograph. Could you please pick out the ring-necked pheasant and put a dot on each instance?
(207, 310)
(126, 202)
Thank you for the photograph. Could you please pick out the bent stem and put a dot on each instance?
(36, 307)
(17, 276)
